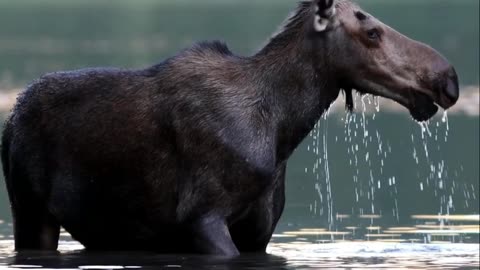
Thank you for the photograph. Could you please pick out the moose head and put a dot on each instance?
(372, 58)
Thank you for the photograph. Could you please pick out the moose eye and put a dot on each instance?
(373, 34)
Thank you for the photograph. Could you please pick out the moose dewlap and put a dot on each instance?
(189, 155)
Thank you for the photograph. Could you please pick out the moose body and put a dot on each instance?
(190, 155)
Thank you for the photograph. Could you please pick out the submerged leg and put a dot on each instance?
(35, 229)
(211, 236)
(253, 232)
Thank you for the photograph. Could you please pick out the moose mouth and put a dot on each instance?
(421, 106)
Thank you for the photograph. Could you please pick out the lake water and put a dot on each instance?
(369, 190)
(282, 256)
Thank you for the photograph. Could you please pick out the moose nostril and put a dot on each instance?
(451, 90)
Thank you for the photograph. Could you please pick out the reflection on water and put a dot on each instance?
(291, 255)
(429, 229)
(434, 243)
(378, 255)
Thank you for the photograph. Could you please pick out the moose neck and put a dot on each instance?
(297, 87)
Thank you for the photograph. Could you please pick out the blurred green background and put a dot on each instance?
(393, 181)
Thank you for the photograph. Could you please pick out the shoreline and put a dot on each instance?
(468, 104)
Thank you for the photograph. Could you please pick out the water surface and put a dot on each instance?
(350, 255)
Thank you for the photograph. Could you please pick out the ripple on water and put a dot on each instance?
(290, 255)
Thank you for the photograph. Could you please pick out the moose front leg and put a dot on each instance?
(211, 236)
(253, 232)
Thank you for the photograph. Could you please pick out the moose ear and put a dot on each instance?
(324, 11)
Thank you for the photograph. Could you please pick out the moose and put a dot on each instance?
(189, 155)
